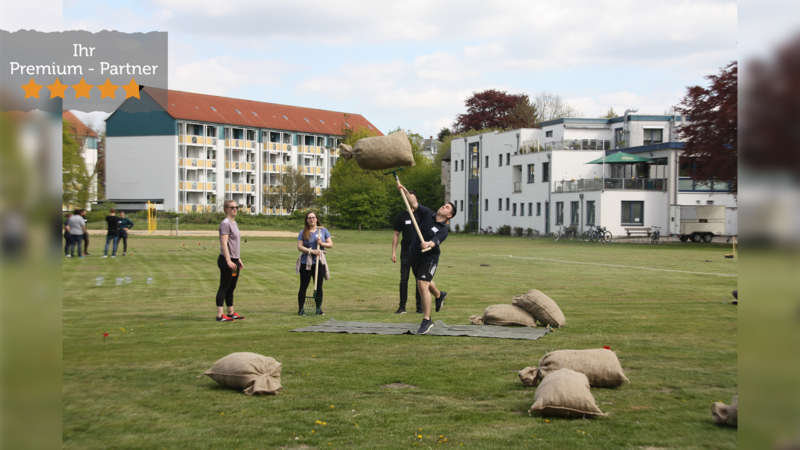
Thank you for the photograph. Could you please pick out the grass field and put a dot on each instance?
(672, 329)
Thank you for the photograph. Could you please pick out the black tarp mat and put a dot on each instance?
(440, 329)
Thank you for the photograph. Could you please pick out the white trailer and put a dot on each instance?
(702, 223)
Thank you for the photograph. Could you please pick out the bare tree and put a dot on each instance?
(293, 191)
(550, 106)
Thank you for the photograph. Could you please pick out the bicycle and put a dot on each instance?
(656, 235)
(597, 233)
(565, 233)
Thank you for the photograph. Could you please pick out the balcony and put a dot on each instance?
(190, 139)
(240, 165)
(596, 184)
(197, 208)
(517, 187)
(578, 144)
(689, 185)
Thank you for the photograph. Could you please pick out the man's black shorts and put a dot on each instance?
(423, 270)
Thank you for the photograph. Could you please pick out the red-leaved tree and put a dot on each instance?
(488, 109)
(711, 135)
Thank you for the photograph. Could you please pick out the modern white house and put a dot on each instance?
(540, 178)
(189, 152)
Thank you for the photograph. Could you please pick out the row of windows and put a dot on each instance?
(632, 211)
(531, 168)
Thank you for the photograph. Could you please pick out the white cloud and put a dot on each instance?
(354, 80)
(650, 103)
(222, 75)
(441, 66)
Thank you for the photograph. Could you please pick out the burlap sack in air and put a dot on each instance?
(542, 307)
(250, 372)
(565, 393)
(726, 414)
(380, 152)
(601, 367)
(507, 315)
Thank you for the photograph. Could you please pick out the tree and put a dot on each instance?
(293, 191)
(75, 178)
(550, 106)
(100, 168)
(711, 135)
(524, 115)
(443, 133)
(487, 109)
(610, 114)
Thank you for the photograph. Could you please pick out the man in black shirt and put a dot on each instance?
(403, 224)
(433, 226)
(113, 232)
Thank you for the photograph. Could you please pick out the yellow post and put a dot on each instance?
(151, 217)
(735, 241)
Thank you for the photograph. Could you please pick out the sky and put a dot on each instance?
(412, 64)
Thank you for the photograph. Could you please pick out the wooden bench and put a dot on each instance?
(638, 230)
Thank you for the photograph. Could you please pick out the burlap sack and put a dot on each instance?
(476, 320)
(542, 307)
(251, 372)
(380, 152)
(726, 414)
(600, 366)
(507, 315)
(565, 393)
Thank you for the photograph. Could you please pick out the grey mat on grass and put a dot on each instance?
(440, 329)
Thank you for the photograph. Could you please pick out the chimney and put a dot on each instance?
(431, 137)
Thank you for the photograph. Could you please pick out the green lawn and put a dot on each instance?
(674, 332)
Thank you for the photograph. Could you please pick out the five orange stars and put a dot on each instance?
(82, 89)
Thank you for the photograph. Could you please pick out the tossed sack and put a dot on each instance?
(507, 315)
(542, 307)
(726, 414)
(565, 393)
(601, 367)
(380, 152)
(250, 372)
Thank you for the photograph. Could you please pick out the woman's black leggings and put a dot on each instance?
(305, 278)
(227, 282)
(124, 238)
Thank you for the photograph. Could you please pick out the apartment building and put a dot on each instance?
(542, 178)
(189, 152)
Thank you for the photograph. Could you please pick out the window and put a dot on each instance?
(538, 208)
(545, 172)
(559, 213)
(499, 204)
(514, 213)
(590, 213)
(500, 162)
(530, 209)
(462, 206)
(508, 158)
(91, 142)
(709, 202)
(507, 203)
(487, 161)
(632, 213)
(486, 205)
(548, 133)
(474, 162)
(619, 138)
(462, 165)
(652, 136)
(574, 213)
(531, 173)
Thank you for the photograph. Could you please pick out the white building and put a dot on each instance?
(87, 140)
(540, 179)
(189, 152)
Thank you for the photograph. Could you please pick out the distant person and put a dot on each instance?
(77, 228)
(125, 224)
(67, 234)
(310, 248)
(433, 226)
(113, 232)
(85, 235)
(229, 262)
(404, 225)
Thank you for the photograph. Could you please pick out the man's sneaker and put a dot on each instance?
(113, 256)
(69, 256)
(302, 312)
(123, 253)
(86, 254)
(105, 256)
(426, 326)
(224, 318)
(440, 300)
(420, 311)
(320, 313)
(235, 316)
(400, 310)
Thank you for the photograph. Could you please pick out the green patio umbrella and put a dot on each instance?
(620, 158)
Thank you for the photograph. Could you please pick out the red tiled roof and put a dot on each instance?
(211, 108)
(79, 127)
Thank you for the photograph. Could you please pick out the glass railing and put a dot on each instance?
(517, 186)
(578, 144)
(596, 184)
(689, 185)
